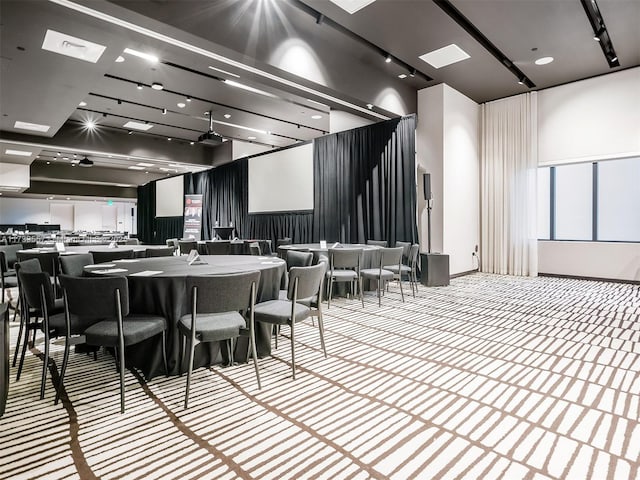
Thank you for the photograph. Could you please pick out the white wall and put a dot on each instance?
(582, 121)
(70, 214)
(447, 143)
(241, 149)
(619, 261)
(340, 121)
(591, 119)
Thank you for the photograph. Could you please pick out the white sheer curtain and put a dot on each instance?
(508, 185)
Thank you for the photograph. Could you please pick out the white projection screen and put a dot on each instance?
(282, 181)
(170, 197)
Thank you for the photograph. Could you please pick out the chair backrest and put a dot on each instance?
(406, 246)
(390, 256)
(11, 253)
(254, 249)
(345, 258)
(160, 252)
(32, 286)
(4, 266)
(74, 264)
(219, 247)
(283, 241)
(187, 245)
(172, 242)
(132, 241)
(308, 281)
(111, 255)
(379, 243)
(48, 260)
(222, 293)
(29, 266)
(297, 258)
(28, 245)
(95, 297)
(413, 255)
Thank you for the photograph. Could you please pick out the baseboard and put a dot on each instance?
(594, 279)
(462, 274)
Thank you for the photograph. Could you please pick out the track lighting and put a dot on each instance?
(388, 59)
(139, 86)
(157, 86)
(598, 34)
(412, 73)
(164, 111)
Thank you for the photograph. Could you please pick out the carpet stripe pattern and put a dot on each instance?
(492, 377)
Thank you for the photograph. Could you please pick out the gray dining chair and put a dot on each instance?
(39, 297)
(98, 307)
(8, 277)
(49, 262)
(110, 255)
(387, 256)
(406, 248)
(219, 305)
(254, 249)
(186, 246)
(74, 264)
(218, 247)
(304, 284)
(159, 252)
(344, 266)
(410, 268)
(172, 242)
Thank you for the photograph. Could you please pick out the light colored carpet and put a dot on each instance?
(490, 378)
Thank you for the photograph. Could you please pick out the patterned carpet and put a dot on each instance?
(490, 378)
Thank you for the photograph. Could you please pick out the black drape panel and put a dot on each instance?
(364, 184)
(271, 226)
(168, 227)
(146, 212)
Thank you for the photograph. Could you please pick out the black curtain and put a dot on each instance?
(365, 185)
(152, 230)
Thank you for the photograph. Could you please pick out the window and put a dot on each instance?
(597, 201)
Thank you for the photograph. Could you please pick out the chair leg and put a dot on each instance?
(164, 352)
(45, 364)
(181, 353)
(378, 290)
(122, 366)
(27, 328)
(189, 370)
(15, 312)
(277, 329)
(401, 292)
(330, 293)
(361, 293)
(321, 330)
(20, 330)
(65, 362)
(293, 348)
(254, 354)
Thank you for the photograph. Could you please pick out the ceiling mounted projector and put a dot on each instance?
(210, 138)
(85, 162)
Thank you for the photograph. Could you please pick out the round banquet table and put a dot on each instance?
(158, 286)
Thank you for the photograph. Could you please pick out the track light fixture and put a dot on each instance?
(164, 111)
(412, 73)
(139, 86)
(598, 33)
(387, 58)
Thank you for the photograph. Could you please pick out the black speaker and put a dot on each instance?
(426, 179)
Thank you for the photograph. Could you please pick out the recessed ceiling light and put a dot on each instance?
(68, 198)
(130, 132)
(57, 154)
(90, 124)
(138, 125)
(169, 138)
(48, 163)
(82, 104)
(352, 6)
(72, 46)
(120, 59)
(445, 56)
(157, 86)
(316, 117)
(387, 59)
(251, 138)
(35, 127)
(123, 185)
(224, 71)
(544, 60)
(402, 75)
(192, 143)
(227, 115)
(19, 153)
(134, 167)
(188, 99)
(146, 56)
(182, 105)
(143, 164)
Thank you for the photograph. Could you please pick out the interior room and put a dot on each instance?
(320, 239)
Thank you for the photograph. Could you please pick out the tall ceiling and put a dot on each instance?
(269, 71)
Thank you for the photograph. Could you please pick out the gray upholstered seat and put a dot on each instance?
(344, 266)
(111, 255)
(74, 264)
(387, 256)
(105, 302)
(378, 243)
(304, 283)
(214, 314)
